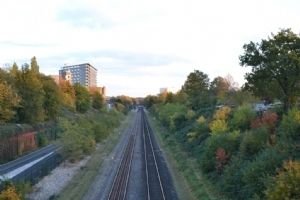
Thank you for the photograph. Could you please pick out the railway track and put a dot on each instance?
(155, 188)
(153, 169)
(119, 187)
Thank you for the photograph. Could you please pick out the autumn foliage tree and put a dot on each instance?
(287, 183)
(9, 100)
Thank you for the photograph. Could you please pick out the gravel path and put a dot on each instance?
(52, 184)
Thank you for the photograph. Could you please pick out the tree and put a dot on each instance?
(9, 100)
(275, 67)
(219, 87)
(98, 101)
(287, 182)
(68, 94)
(82, 101)
(196, 88)
(14, 70)
(52, 100)
(34, 66)
(30, 89)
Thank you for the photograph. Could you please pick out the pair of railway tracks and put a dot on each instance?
(119, 187)
(153, 183)
(155, 189)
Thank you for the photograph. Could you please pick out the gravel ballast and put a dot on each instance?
(52, 184)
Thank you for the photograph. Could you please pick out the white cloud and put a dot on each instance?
(205, 35)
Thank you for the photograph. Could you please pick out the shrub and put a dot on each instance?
(9, 193)
(242, 117)
(268, 120)
(232, 185)
(218, 126)
(290, 125)
(229, 142)
(42, 140)
(76, 142)
(222, 113)
(101, 131)
(253, 142)
(178, 121)
(199, 132)
(201, 120)
(287, 183)
(169, 112)
(255, 174)
(190, 114)
(222, 159)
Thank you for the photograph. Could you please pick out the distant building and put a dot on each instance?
(84, 74)
(163, 90)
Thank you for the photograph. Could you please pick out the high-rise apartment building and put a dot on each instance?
(84, 74)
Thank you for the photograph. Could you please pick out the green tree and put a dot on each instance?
(82, 101)
(219, 87)
(30, 89)
(52, 100)
(275, 67)
(68, 94)
(9, 100)
(98, 101)
(196, 87)
(34, 66)
(14, 70)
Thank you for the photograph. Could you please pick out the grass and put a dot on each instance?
(188, 180)
(82, 181)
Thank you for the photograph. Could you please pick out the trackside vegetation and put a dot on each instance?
(241, 152)
(35, 111)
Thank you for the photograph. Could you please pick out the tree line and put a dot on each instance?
(28, 96)
(244, 154)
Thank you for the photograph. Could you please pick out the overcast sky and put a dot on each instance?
(139, 46)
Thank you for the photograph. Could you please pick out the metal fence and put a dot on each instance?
(39, 170)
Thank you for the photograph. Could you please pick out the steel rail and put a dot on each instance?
(119, 186)
(154, 157)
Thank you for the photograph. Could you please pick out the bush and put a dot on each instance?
(172, 114)
(200, 131)
(222, 113)
(178, 121)
(253, 142)
(242, 117)
(42, 140)
(101, 131)
(222, 159)
(287, 183)
(255, 174)
(10, 193)
(218, 126)
(76, 141)
(232, 185)
(229, 142)
(290, 125)
(267, 120)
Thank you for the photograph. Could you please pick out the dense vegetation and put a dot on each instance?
(35, 110)
(27, 96)
(245, 154)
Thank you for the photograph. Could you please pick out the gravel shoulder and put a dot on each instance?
(52, 184)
